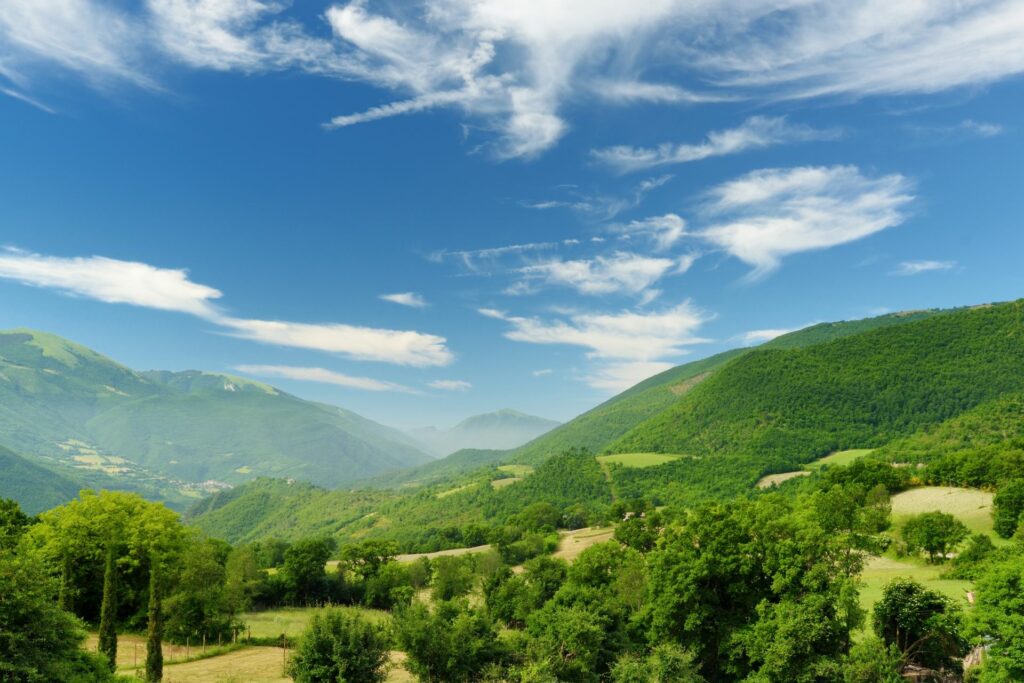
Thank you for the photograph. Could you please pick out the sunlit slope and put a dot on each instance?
(859, 391)
(601, 426)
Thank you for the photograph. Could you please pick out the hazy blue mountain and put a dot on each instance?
(502, 429)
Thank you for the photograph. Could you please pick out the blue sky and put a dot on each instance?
(423, 211)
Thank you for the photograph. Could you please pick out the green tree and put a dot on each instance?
(108, 610)
(244, 579)
(1008, 507)
(338, 647)
(936, 533)
(999, 616)
(155, 625)
(925, 626)
(13, 523)
(453, 577)
(39, 642)
(305, 571)
(666, 663)
(366, 559)
(453, 643)
(199, 607)
(872, 661)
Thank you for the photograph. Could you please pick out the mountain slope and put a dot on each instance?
(62, 401)
(597, 428)
(35, 488)
(852, 392)
(499, 430)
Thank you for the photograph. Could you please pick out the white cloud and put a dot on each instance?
(617, 377)
(542, 373)
(140, 284)
(756, 132)
(323, 376)
(601, 206)
(964, 130)
(111, 281)
(663, 231)
(511, 67)
(450, 385)
(411, 299)
(625, 335)
(766, 215)
(907, 268)
(761, 336)
(619, 272)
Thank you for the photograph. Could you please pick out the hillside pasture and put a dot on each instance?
(770, 480)
(879, 571)
(517, 470)
(971, 506)
(292, 621)
(638, 460)
(575, 542)
(839, 458)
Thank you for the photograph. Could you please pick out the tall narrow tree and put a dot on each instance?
(108, 611)
(64, 597)
(155, 632)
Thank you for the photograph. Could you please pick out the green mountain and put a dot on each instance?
(33, 486)
(752, 412)
(858, 391)
(599, 427)
(499, 430)
(171, 431)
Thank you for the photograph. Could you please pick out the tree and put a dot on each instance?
(305, 569)
(244, 578)
(453, 577)
(13, 523)
(924, 625)
(39, 642)
(199, 607)
(108, 611)
(155, 625)
(366, 559)
(999, 615)
(338, 647)
(872, 661)
(1008, 506)
(666, 663)
(452, 643)
(936, 533)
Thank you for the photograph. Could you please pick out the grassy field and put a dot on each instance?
(516, 470)
(502, 483)
(291, 621)
(881, 570)
(770, 480)
(839, 458)
(248, 665)
(638, 459)
(575, 542)
(970, 506)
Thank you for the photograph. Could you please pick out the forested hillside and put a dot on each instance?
(601, 426)
(165, 433)
(35, 488)
(855, 392)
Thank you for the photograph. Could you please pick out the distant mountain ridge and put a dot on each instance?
(64, 404)
(500, 430)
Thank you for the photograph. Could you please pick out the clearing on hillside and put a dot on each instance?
(839, 458)
(970, 506)
(412, 557)
(881, 570)
(516, 470)
(638, 459)
(770, 480)
(575, 542)
(291, 621)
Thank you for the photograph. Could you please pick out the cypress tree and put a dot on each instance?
(155, 632)
(108, 611)
(64, 599)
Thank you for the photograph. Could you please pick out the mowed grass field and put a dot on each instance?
(971, 506)
(881, 570)
(248, 665)
(839, 458)
(638, 459)
(575, 542)
(291, 621)
(770, 480)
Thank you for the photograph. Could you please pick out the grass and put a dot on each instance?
(575, 542)
(250, 664)
(970, 506)
(516, 470)
(291, 621)
(881, 570)
(449, 492)
(502, 483)
(839, 458)
(638, 460)
(770, 480)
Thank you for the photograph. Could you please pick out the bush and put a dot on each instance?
(339, 647)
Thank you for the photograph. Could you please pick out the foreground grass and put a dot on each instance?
(292, 621)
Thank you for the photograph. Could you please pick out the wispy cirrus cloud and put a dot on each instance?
(411, 299)
(450, 385)
(511, 68)
(760, 336)
(140, 284)
(764, 216)
(619, 272)
(754, 133)
(323, 376)
(600, 206)
(907, 268)
(625, 346)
